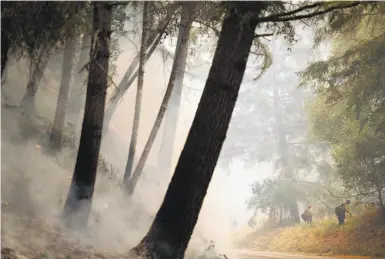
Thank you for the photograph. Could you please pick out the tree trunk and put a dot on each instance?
(78, 203)
(283, 153)
(76, 96)
(5, 42)
(138, 102)
(381, 200)
(28, 101)
(183, 37)
(58, 123)
(172, 113)
(124, 85)
(129, 77)
(174, 223)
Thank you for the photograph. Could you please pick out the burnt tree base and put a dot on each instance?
(79, 198)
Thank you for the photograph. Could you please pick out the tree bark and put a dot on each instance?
(5, 42)
(28, 101)
(139, 91)
(60, 113)
(172, 113)
(175, 221)
(130, 76)
(381, 200)
(183, 37)
(78, 203)
(76, 96)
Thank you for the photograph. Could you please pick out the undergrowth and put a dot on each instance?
(361, 235)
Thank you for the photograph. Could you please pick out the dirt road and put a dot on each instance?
(246, 254)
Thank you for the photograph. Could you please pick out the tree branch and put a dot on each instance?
(119, 3)
(303, 8)
(215, 30)
(263, 35)
(284, 17)
(330, 192)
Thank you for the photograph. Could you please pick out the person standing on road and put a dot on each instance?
(341, 212)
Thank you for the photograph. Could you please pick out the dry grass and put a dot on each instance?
(361, 236)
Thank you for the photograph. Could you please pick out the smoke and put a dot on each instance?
(35, 182)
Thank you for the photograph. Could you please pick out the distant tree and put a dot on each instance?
(361, 45)
(348, 112)
(76, 95)
(36, 74)
(78, 203)
(357, 152)
(270, 125)
(59, 119)
(31, 27)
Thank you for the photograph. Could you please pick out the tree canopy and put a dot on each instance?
(348, 112)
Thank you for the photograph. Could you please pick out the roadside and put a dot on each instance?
(247, 254)
(361, 237)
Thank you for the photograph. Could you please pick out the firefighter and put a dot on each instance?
(341, 211)
(306, 215)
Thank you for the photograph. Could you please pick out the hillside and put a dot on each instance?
(361, 236)
(35, 183)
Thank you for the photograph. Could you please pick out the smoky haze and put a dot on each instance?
(36, 183)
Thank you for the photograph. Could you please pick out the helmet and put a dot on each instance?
(347, 202)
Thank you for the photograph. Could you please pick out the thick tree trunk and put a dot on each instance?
(5, 42)
(129, 77)
(28, 101)
(78, 203)
(174, 223)
(139, 91)
(172, 113)
(58, 123)
(76, 96)
(183, 37)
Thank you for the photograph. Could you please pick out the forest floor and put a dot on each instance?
(34, 185)
(361, 237)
